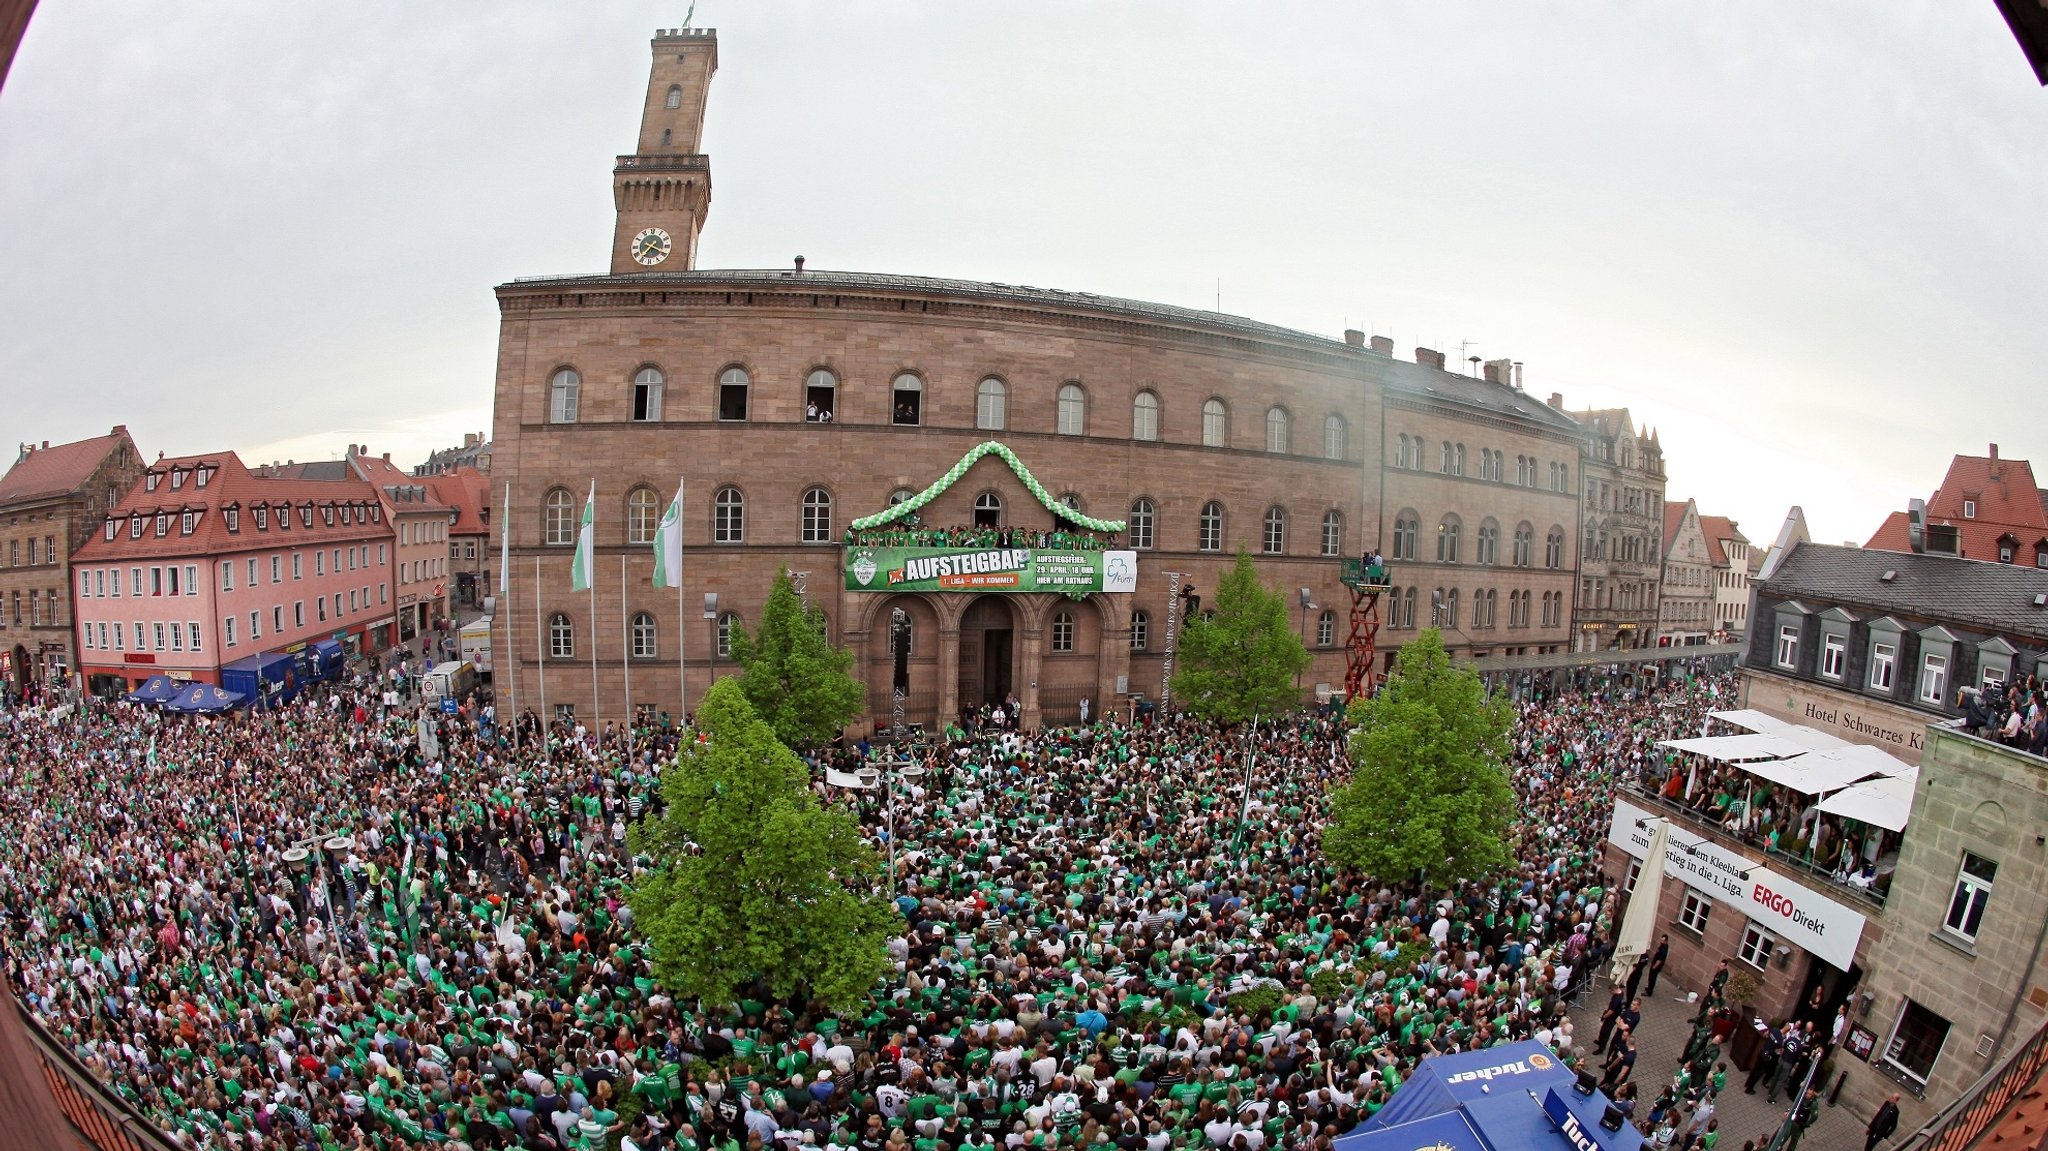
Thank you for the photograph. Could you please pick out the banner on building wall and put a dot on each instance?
(1791, 911)
(1074, 573)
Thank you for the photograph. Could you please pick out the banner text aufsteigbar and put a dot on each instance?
(1073, 573)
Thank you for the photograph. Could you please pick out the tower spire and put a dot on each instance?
(662, 191)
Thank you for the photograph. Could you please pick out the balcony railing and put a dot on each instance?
(105, 1120)
(1869, 897)
(678, 163)
(1959, 1124)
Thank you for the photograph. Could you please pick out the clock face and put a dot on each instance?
(651, 247)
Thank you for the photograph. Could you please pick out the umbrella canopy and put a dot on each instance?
(204, 697)
(1885, 801)
(156, 689)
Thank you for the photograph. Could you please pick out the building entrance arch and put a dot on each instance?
(989, 651)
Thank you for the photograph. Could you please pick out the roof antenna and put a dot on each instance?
(1464, 348)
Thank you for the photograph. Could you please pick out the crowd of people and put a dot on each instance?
(1106, 939)
(919, 536)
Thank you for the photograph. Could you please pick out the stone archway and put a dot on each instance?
(878, 665)
(991, 651)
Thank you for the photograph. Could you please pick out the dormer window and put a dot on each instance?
(153, 479)
(189, 521)
(376, 513)
(327, 515)
(233, 518)
(163, 524)
(1969, 509)
(262, 517)
(113, 529)
(135, 527)
(205, 473)
(177, 478)
(306, 515)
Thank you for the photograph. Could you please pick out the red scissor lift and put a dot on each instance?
(1367, 584)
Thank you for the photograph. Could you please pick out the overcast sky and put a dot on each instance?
(1806, 240)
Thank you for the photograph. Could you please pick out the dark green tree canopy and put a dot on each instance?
(753, 877)
(1429, 791)
(796, 681)
(1244, 661)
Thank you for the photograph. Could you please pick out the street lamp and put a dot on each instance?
(711, 630)
(906, 770)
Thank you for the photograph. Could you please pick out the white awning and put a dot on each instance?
(1885, 801)
(1875, 760)
(1752, 720)
(1815, 773)
(1734, 748)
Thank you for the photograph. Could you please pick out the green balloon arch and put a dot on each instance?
(952, 476)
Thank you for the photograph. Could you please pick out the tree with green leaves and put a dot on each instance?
(1429, 792)
(1244, 661)
(796, 681)
(753, 878)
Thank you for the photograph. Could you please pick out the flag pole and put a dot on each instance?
(505, 605)
(682, 622)
(541, 651)
(626, 645)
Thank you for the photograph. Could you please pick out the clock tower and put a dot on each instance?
(663, 190)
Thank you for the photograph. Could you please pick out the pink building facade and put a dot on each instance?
(207, 562)
(420, 522)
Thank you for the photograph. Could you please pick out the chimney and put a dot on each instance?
(1518, 375)
(1500, 372)
(1354, 337)
(1994, 452)
(1994, 455)
(1557, 400)
(387, 457)
(468, 440)
(1430, 358)
(799, 265)
(1384, 345)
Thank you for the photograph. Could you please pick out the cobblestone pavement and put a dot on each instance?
(1660, 1040)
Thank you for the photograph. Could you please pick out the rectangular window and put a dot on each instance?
(1831, 651)
(1788, 646)
(1692, 914)
(298, 566)
(277, 618)
(191, 579)
(1756, 948)
(1916, 1042)
(321, 604)
(255, 625)
(156, 581)
(252, 571)
(227, 575)
(319, 563)
(1883, 657)
(1628, 882)
(157, 633)
(299, 613)
(227, 630)
(352, 600)
(380, 555)
(1973, 890)
(1933, 678)
(276, 569)
(99, 583)
(103, 637)
(177, 638)
(120, 638)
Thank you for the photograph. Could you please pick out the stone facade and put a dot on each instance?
(1619, 546)
(1685, 612)
(1481, 510)
(51, 502)
(1980, 977)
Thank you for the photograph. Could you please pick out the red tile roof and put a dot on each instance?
(1717, 529)
(466, 490)
(231, 484)
(59, 470)
(2006, 503)
(1674, 514)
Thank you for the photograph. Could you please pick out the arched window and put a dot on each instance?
(1141, 523)
(821, 397)
(1276, 530)
(1063, 630)
(558, 519)
(1450, 616)
(817, 516)
(728, 623)
(1209, 528)
(1458, 461)
(1525, 544)
(1407, 535)
(1553, 549)
(1408, 608)
(906, 400)
(1070, 500)
(1487, 550)
(728, 517)
(645, 645)
(1145, 416)
(1333, 532)
(642, 513)
(647, 383)
(1278, 431)
(1215, 423)
(1073, 410)
(564, 393)
(1401, 450)
(1334, 437)
(988, 510)
(1446, 467)
(1326, 629)
(561, 637)
(900, 495)
(1141, 630)
(675, 98)
(990, 401)
(732, 394)
(1447, 540)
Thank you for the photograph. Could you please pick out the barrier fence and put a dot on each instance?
(1959, 1124)
(106, 1121)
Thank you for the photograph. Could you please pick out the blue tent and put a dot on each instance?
(204, 697)
(1514, 1097)
(155, 689)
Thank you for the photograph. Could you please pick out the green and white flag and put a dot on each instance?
(579, 573)
(668, 544)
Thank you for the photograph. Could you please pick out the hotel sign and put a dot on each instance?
(1073, 573)
(1898, 730)
(1791, 911)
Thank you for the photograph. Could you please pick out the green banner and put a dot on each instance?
(1074, 573)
